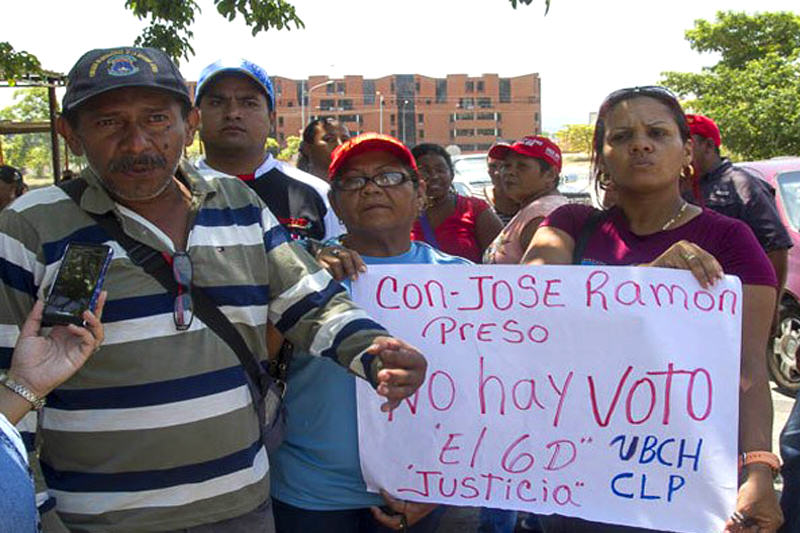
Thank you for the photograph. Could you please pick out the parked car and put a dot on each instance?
(471, 170)
(783, 173)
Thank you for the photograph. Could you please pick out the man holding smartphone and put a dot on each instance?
(158, 432)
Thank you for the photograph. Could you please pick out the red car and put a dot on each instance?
(783, 173)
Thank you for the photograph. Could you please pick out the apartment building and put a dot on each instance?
(470, 112)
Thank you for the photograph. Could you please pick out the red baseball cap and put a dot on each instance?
(369, 142)
(704, 127)
(531, 146)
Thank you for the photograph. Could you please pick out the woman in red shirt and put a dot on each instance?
(457, 225)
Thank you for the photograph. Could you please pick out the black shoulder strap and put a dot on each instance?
(587, 230)
(154, 264)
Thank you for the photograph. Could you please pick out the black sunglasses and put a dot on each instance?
(183, 311)
(644, 90)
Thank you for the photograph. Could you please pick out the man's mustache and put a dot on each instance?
(137, 162)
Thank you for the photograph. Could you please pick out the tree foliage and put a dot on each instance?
(29, 151)
(15, 64)
(292, 148)
(515, 3)
(169, 28)
(170, 20)
(575, 138)
(753, 92)
(740, 37)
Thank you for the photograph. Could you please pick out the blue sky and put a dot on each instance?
(583, 49)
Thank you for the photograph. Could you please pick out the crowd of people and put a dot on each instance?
(167, 428)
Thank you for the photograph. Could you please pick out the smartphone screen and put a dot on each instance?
(77, 284)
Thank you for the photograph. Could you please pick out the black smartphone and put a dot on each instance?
(78, 283)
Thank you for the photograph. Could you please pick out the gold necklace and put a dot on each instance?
(676, 217)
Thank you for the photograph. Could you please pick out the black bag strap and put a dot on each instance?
(154, 264)
(587, 230)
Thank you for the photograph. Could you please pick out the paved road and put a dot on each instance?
(465, 519)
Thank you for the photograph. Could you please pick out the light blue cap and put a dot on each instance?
(242, 66)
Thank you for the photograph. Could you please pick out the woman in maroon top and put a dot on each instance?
(642, 147)
(457, 225)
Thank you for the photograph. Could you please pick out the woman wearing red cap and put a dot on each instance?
(317, 483)
(642, 146)
(530, 174)
(458, 225)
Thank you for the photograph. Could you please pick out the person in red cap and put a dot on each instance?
(733, 191)
(530, 176)
(316, 476)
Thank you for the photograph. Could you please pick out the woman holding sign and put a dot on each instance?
(316, 475)
(642, 148)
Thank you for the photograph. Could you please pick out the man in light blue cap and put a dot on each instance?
(237, 104)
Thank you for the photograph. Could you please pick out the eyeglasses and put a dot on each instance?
(384, 179)
(644, 90)
(183, 311)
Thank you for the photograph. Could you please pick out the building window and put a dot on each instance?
(330, 88)
(393, 133)
(465, 116)
(279, 88)
(441, 91)
(484, 102)
(416, 86)
(483, 147)
(469, 86)
(368, 88)
(391, 87)
(280, 122)
(346, 105)
(486, 131)
(505, 90)
(420, 118)
(536, 117)
(340, 87)
(480, 86)
(326, 104)
(281, 137)
(421, 134)
(391, 119)
(498, 117)
(427, 101)
(465, 133)
(485, 116)
(290, 104)
(468, 147)
(466, 103)
(349, 118)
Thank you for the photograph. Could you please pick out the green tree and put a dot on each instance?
(575, 138)
(292, 147)
(753, 92)
(169, 28)
(29, 151)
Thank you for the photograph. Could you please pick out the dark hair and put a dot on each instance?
(310, 129)
(663, 95)
(72, 115)
(12, 176)
(433, 149)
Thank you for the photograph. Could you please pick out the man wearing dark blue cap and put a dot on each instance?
(237, 105)
(158, 432)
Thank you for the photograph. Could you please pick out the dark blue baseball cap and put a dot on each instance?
(102, 70)
(240, 66)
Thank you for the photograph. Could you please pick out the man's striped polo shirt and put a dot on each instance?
(157, 430)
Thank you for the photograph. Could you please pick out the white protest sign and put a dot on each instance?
(606, 393)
